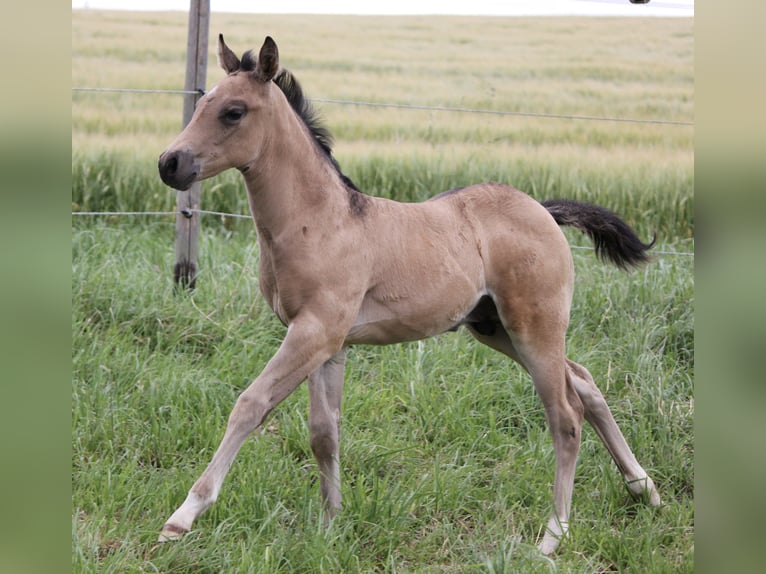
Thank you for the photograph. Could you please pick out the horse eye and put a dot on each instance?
(233, 115)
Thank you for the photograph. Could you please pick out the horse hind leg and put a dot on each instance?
(598, 415)
(564, 411)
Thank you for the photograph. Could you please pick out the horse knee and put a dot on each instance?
(248, 412)
(324, 438)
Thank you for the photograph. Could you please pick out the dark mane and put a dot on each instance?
(310, 118)
(306, 112)
(302, 106)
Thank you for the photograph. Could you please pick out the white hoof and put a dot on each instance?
(549, 544)
(554, 532)
(171, 532)
(644, 489)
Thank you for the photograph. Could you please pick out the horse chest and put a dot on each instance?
(267, 281)
(288, 287)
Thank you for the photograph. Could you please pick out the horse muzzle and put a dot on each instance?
(178, 169)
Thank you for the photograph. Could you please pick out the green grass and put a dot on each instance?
(447, 463)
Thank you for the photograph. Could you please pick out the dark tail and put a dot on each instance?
(614, 240)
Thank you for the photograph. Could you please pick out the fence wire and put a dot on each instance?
(138, 91)
(417, 107)
(187, 213)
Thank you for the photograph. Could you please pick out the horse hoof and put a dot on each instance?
(171, 532)
(644, 489)
(548, 545)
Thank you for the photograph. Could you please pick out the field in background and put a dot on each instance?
(446, 459)
(600, 67)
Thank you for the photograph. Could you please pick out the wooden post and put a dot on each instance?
(187, 220)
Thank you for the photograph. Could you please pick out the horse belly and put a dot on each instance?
(383, 323)
(428, 275)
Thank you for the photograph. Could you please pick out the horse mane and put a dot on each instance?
(292, 90)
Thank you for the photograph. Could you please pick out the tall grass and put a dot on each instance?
(447, 462)
(653, 200)
(600, 67)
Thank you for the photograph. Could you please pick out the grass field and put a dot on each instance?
(446, 460)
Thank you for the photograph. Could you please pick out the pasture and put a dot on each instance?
(446, 460)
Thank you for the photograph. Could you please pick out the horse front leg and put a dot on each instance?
(305, 347)
(325, 393)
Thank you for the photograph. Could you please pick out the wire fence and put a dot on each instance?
(417, 107)
(184, 212)
(414, 107)
(139, 91)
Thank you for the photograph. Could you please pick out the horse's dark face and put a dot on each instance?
(230, 122)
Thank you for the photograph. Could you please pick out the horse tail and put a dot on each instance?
(614, 239)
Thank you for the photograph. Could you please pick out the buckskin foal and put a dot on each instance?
(340, 268)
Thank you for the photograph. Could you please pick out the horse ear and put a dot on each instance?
(226, 58)
(268, 60)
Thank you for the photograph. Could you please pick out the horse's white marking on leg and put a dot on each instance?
(554, 532)
(181, 520)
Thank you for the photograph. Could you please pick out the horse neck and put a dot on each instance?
(293, 182)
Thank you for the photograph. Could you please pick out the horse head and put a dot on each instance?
(221, 132)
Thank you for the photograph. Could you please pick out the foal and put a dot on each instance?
(341, 268)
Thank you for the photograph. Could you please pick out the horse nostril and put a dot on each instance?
(168, 164)
(171, 165)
